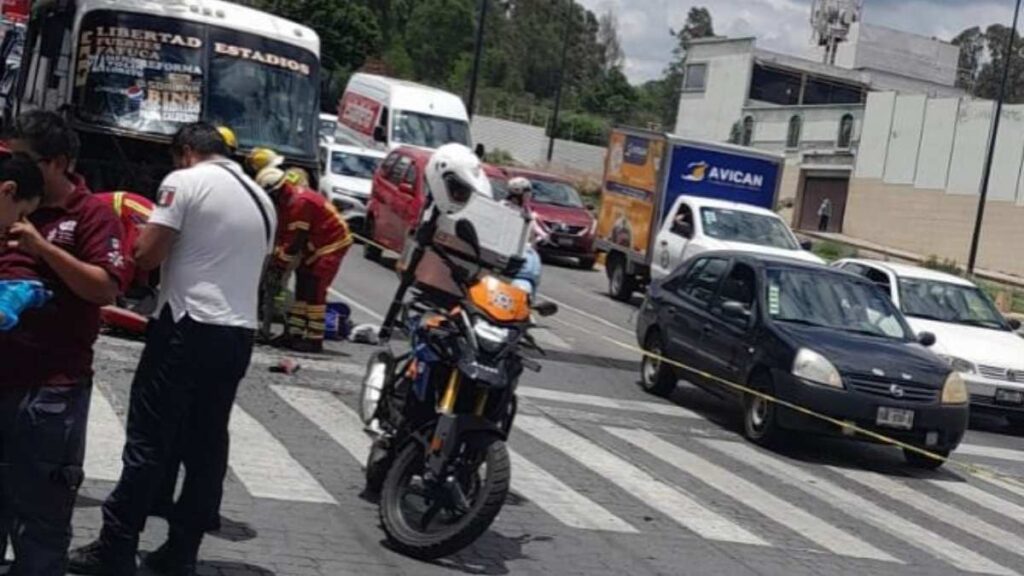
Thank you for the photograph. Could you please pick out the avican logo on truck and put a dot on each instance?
(702, 171)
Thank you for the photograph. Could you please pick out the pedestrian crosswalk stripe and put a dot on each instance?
(344, 426)
(938, 510)
(606, 402)
(983, 499)
(672, 502)
(331, 415)
(104, 439)
(860, 508)
(811, 527)
(265, 466)
(1014, 487)
(559, 500)
(990, 452)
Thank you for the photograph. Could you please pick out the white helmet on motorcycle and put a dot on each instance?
(453, 175)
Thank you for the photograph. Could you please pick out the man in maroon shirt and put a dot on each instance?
(72, 243)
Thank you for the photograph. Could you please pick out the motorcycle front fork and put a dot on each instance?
(444, 443)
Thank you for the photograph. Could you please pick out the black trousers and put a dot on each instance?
(42, 446)
(180, 405)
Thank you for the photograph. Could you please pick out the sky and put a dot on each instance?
(780, 25)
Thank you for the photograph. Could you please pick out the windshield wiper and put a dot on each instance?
(804, 322)
(980, 323)
(866, 332)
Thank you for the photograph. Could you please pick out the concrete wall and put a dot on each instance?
(918, 176)
(710, 115)
(529, 146)
(876, 47)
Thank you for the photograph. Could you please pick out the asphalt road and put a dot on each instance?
(606, 479)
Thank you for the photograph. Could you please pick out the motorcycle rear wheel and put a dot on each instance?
(406, 532)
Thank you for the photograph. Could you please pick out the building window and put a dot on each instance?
(793, 135)
(820, 91)
(747, 136)
(775, 86)
(845, 131)
(695, 78)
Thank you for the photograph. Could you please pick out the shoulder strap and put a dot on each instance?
(255, 199)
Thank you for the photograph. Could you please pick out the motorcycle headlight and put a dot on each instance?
(488, 333)
(959, 364)
(813, 367)
(954, 391)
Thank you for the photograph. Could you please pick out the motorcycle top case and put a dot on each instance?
(502, 232)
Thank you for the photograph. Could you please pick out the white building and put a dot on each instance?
(811, 111)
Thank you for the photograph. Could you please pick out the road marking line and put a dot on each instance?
(796, 519)
(668, 500)
(983, 499)
(1008, 486)
(331, 415)
(606, 402)
(266, 467)
(358, 306)
(588, 315)
(990, 452)
(938, 510)
(548, 339)
(859, 508)
(559, 500)
(104, 439)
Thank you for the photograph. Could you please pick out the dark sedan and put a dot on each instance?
(814, 336)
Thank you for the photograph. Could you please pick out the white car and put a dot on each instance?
(696, 225)
(328, 128)
(346, 174)
(970, 333)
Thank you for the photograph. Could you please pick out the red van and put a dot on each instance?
(398, 195)
(558, 207)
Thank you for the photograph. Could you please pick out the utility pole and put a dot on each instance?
(478, 49)
(993, 133)
(561, 80)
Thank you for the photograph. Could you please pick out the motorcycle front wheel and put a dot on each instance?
(429, 520)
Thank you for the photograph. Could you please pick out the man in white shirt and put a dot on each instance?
(211, 232)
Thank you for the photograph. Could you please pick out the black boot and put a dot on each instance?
(177, 556)
(99, 559)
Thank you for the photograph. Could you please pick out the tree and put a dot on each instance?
(438, 32)
(698, 25)
(608, 38)
(972, 47)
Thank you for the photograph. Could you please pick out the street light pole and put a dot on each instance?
(477, 52)
(986, 175)
(561, 81)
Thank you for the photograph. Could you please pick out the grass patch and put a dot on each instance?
(830, 251)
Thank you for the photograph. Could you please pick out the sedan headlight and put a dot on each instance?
(489, 333)
(959, 364)
(954, 391)
(814, 367)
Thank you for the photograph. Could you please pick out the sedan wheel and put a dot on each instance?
(759, 414)
(655, 377)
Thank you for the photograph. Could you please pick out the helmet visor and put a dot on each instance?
(459, 191)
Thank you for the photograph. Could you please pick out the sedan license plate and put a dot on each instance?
(895, 418)
(1013, 397)
(566, 241)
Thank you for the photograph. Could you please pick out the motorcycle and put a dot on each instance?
(441, 413)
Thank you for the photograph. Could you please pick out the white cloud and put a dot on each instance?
(780, 25)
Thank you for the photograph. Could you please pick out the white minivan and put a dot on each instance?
(695, 224)
(346, 173)
(970, 333)
(384, 113)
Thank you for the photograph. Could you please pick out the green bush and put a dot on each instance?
(831, 251)
(499, 157)
(946, 265)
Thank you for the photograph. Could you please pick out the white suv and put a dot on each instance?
(969, 332)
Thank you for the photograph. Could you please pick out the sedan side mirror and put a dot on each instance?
(735, 310)
(807, 245)
(1014, 324)
(926, 339)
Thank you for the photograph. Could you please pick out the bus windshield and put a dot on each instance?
(150, 74)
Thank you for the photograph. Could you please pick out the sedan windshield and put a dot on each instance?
(428, 131)
(830, 300)
(747, 227)
(557, 193)
(945, 302)
(355, 165)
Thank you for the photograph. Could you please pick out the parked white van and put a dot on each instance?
(384, 113)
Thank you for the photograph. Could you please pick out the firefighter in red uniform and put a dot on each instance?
(133, 211)
(312, 239)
